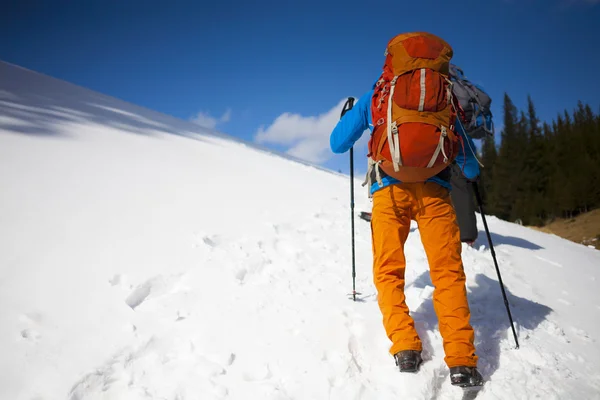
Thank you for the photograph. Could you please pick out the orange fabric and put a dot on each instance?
(420, 106)
(429, 204)
(416, 50)
(417, 144)
(407, 94)
(423, 47)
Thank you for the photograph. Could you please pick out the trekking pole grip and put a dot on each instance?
(347, 106)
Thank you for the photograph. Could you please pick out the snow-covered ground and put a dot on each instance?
(143, 257)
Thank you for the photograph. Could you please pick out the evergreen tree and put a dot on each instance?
(536, 171)
(548, 168)
(520, 209)
(584, 170)
(541, 171)
(562, 191)
(503, 191)
(488, 159)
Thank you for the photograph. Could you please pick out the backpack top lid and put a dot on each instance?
(415, 50)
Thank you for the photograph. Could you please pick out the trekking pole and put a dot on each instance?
(487, 231)
(347, 107)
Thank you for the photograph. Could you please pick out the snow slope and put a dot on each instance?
(142, 257)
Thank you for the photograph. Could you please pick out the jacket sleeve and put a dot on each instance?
(466, 159)
(352, 125)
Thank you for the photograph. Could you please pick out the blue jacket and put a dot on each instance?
(356, 121)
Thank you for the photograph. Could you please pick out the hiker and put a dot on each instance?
(410, 112)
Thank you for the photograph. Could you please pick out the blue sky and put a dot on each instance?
(278, 70)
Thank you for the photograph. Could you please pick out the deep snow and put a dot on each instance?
(144, 257)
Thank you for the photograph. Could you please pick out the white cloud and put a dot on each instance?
(307, 137)
(227, 116)
(206, 120)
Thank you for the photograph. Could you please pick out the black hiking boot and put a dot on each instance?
(465, 377)
(408, 360)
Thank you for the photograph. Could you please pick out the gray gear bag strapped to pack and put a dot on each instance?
(475, 102)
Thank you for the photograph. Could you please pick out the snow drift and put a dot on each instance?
(144, 257)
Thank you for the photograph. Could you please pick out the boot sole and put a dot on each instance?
(412, 369)
(468, 385)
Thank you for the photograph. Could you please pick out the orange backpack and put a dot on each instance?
(412, 110)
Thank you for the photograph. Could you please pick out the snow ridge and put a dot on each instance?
(136, 264)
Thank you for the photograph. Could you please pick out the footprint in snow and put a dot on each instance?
(155, 287)
(141, 372)
(120, 281)
(259, 373)
(240, 275)
(555, 330)
(580, 333)
(181, 315)
(250, 264)
(354, 332)
(115, 280)
(205, 241)
(438, 377)
(31, 335)
(282, 228)
(575, 357)
(31, 322)
(138, 296)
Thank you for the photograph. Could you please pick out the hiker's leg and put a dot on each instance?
(390, 224)
(441, 239)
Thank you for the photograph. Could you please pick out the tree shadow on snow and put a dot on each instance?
(498, 239)
(489, 318)
(38, 105)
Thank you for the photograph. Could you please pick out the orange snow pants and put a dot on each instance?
(430, 206)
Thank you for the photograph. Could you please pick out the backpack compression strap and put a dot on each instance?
(392, 129)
